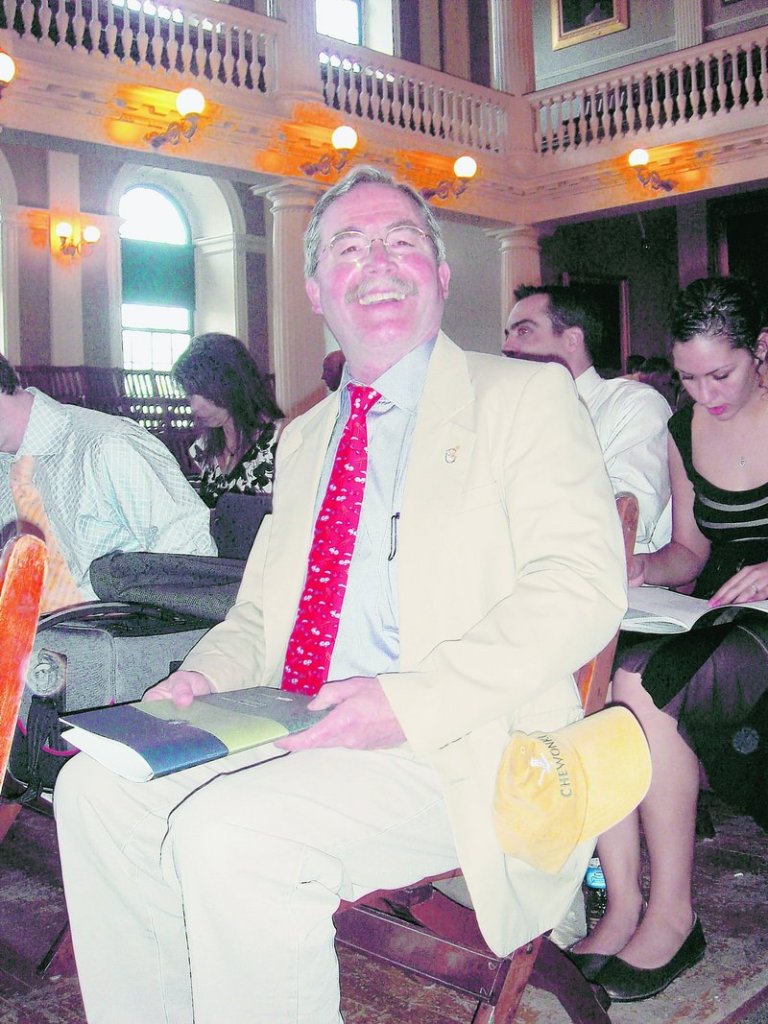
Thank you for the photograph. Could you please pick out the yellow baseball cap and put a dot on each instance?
(555, 790)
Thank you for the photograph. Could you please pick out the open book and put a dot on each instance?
(658, 610)
(143, 740)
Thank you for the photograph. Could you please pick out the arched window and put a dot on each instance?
(158, 272)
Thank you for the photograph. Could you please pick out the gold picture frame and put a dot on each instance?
(577, 21)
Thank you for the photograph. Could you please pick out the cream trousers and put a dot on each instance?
(207, 896)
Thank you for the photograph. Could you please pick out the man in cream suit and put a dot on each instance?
(488, 565)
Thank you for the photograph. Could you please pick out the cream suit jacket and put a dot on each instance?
(511, 575)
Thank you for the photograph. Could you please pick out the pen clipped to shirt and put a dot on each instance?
(394, 520)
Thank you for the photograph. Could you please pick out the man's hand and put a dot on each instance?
(362, 718)
(180, 687)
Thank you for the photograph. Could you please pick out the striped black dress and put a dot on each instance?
(714, 681)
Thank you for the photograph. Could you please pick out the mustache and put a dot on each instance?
(389, 283)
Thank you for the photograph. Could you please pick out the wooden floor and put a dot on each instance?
(730, 986)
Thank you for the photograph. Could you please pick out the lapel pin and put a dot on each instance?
(450, 454)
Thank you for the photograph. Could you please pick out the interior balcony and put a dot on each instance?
(107, 73)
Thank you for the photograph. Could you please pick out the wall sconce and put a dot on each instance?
(639, 159)
(343, 140)
(190, 104)
(69, 246)
(464, 170)
(7, 69)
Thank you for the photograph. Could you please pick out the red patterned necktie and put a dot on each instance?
(310, 646)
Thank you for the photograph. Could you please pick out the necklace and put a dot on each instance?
(742, 461)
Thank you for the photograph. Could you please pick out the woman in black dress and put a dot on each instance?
(236, 413)
(702, 697)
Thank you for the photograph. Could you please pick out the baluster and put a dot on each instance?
(749, 79)
(222, 41)
(400, 101)
(45, 19)
(69, 36)
(126, 35)
(700, 81)
(157, 51)
(666, 100)
(624, 89)
(762, 58)
(358, 74)
(238, 56)
(34, 29)
(421, 105)
(388, 87)
(450, 113)
(710, 96)
(251, 51)
(482, 113)
(722, 85)
(549, 123)
(369, 93)
(85, 25)
(199, 50)
(109, 34)
(18, 19)
(140, 51)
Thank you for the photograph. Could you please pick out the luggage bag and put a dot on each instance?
(88, 656)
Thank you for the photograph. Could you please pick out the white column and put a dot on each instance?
(689, 23)
(297, 335)
(66, 284)
(512, 56)
(692, 242)
(298, 73)
(520, 261)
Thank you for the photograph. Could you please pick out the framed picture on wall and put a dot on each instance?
(576, 21)
(611, 296)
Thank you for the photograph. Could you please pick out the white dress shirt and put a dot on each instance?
(630, 420)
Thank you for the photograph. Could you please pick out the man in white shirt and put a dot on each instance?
(104, 483)
(558, 324)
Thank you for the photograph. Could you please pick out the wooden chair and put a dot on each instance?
(429, 929)
(22, 572)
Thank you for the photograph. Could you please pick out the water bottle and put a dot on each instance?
(595, 895)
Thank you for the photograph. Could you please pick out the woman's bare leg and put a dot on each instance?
(668, 815)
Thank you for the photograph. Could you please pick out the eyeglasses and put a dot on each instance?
(349, 246)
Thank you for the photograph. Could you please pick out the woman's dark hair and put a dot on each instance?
(9, 379)
(220, 368)
(718, 307)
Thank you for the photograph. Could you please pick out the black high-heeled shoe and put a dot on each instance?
(627, 984)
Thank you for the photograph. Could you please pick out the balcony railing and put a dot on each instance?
(645, 101)
(191, 42)
(380, 88)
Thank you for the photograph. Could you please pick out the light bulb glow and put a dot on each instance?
(190, 101)
(344, 137)
(465, 167)
(638, 158)
(91, 234)
(7, 68)
(63, 230)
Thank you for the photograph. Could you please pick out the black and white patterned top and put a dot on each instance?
(253, 473)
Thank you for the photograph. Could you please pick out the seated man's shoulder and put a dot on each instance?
(114, 436)
(641, 397)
